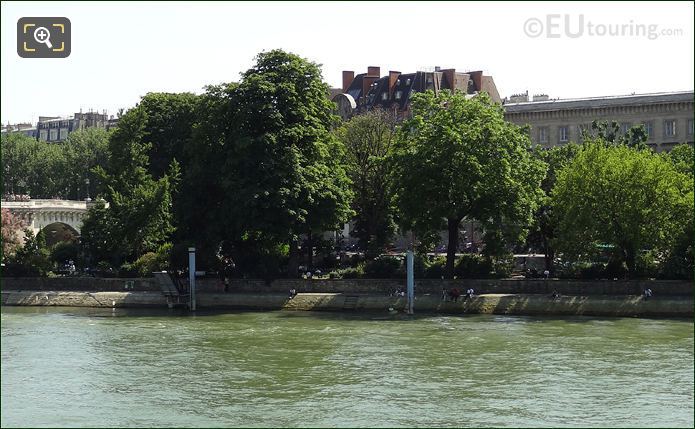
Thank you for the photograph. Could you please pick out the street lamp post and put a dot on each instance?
(86, 183)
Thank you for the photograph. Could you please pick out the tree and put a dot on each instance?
(458, 158)
(622, 197)
(368, 139)
(85, 150)
(610, 133)
(139, 218)
(11, 233)
(544, 230)
(279, 165)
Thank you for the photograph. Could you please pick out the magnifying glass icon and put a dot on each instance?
(42, 35)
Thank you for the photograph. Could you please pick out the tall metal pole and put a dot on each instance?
(410, 280)
(191, 276)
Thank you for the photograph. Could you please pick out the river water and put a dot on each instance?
(115, 368)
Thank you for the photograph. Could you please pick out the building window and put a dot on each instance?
(564, 134)
(385, 96)
(625, 127)
(649, 129)
(670, 128)
(43, 135)
(53, 135)
(399, 94)
(63, 133)
(407, 82)
(542, 134)
(690, 127)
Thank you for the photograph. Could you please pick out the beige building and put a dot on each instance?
(667, 116)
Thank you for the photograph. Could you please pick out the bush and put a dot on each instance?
(502, 267)
(351, 273)
(127, 270)
(435, 268)
(471, 266)
(64, 251)
(589, 271)
(146, 264)
(383, 267)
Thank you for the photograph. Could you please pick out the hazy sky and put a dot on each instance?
(121, 51)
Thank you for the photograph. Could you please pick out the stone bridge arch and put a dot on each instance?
(39, 214)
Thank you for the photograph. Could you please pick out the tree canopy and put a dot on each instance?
(456, 158)
(630, 199)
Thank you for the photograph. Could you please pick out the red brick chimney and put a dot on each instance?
(348, 77)
(450, 74)
(367, 82)
(373, 71)
(477, 77)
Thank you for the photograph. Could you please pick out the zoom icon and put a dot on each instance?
(43, 37)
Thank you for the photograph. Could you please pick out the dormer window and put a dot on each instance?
(407, 82)
(399, 94)
(385, 96)
(398, 81)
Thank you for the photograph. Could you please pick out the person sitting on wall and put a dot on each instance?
(469, 293)
(293, 293)
(647, 294)
(444, 294)
(455, 294)
(556, 294)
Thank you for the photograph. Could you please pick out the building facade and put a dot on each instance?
(667, 117)
(370, 90)
(56, 129)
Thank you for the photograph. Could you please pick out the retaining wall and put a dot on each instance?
(380, 287)
(532, 304)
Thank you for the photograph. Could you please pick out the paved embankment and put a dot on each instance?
(531, 304)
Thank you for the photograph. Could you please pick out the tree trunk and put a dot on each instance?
(452, 245)
(310, 245)
(293, 263)
(630, 260)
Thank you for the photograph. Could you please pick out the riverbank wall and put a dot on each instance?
(513, 304)
(378, 287)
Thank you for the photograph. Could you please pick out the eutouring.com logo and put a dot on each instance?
(556, 26)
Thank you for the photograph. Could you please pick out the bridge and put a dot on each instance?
(58, 218)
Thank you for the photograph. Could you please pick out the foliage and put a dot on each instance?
(435, 269)
(32, 259)
(683, 158)
(623, 197)
(47, 170)
(12, 227)
(139, 217)
(471, 266)
(382, 267)
(368, 140)
(64, 251)
(610, 133)
(270, 161)
(456, 158)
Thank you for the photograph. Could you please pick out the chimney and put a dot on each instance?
(449, 75)
(367, 82)
(436, 68)
(393, 77)
(348, 77)
(477, 77)
(373, 71)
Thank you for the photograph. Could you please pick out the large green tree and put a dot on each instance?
(267, 145)
(616, 195)
(139, 218)
(458, 158)
(369, 140)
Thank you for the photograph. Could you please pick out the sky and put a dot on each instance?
(121, 51)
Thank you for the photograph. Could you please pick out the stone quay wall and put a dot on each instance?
(377, 287)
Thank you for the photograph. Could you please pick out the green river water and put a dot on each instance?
(114, 368)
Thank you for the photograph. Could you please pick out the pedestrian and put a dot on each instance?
(546, 273)
(293, 293)
(455, 293)
(444, 294)
(647, 294)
